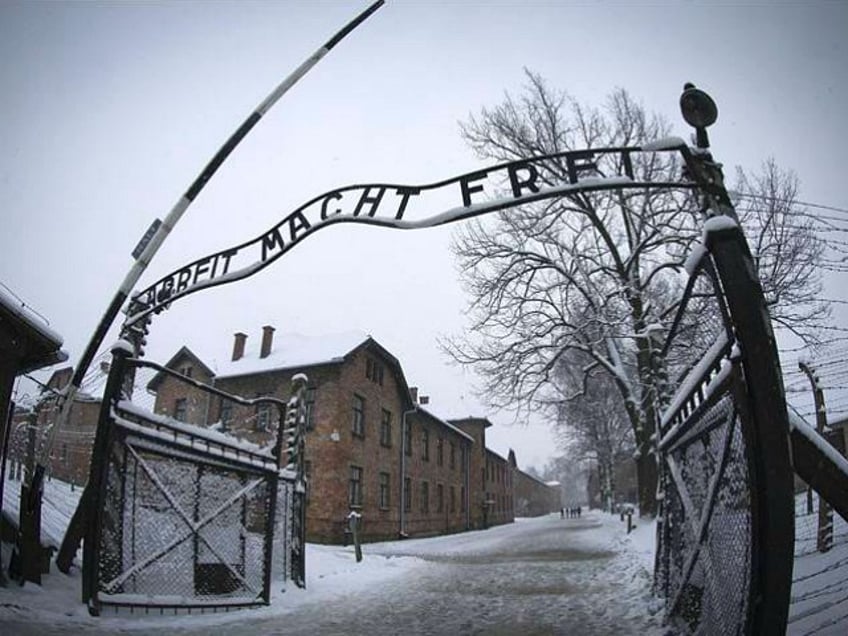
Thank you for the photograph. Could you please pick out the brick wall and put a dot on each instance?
(437, 479)
(498, 494)
(476, 458)
(533, 497)
(169, 390)
(70, 456)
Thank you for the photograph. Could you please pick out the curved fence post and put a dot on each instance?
(766, 434)
(726, 532)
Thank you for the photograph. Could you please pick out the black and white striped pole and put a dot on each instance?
(159, 230)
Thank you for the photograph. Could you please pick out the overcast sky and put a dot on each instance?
(110, 110)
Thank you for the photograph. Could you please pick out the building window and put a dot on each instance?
(180, 407)
(226, 415)
(440, 455)
(440, 498)
(452, 455)
(407, 438)
(309, 401)
(425, 443)
(407, 494)
(453, 499)
(384, 491)
(358, 426)
(263, 417)
(425, 496)
(462, 499)
(186, 371)
(374, 371)
(354, 492)
(386, 429)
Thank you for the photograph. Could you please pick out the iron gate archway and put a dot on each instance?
(731, 402)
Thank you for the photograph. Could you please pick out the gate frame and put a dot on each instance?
(120, 376)
(766, 435)
(764, 423)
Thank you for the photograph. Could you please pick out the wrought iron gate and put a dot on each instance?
(185, 516)
(725, 531)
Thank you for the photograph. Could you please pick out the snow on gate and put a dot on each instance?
(725, 529)
(184, 516)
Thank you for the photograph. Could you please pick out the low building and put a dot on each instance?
(26, 344)
(70, 455)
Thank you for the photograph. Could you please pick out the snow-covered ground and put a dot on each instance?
(819, 602)
(610, 572)
(587, 570)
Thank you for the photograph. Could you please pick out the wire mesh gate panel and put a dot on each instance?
(725, 530)
(185, 517)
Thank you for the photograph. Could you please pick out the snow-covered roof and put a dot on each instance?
(500, 457)
(184, 352)
(541, 482)
(42, 343)
(447, 425)
(472, 420)
(26, 315)
(292, 350)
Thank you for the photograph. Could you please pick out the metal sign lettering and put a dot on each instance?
(405, 207)
(144, 240)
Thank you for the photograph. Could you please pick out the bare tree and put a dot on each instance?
(589, 276)
(787, 247)
(595, 427)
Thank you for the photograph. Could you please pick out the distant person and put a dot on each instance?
(579, 510)
(562, 513)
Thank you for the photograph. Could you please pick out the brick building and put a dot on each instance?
(490, 478)
(533, 497)
(370, 446)
(71, 453)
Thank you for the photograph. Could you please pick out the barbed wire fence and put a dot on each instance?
(819, 600)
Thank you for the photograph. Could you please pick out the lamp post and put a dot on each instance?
(700, 111)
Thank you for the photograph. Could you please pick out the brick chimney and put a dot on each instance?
(267, 341)
(413, 393)
(238, 346)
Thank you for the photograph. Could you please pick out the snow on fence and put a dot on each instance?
(192, 506)
(725, 526)
(819, 603)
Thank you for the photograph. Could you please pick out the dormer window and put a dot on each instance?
(186, 371)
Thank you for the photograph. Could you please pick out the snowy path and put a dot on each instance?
(541, 576)
(552, 577)
(536, 576)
